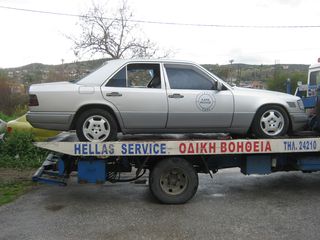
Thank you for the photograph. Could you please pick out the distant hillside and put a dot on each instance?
(248, 73)
(241, 74)
(37, 72)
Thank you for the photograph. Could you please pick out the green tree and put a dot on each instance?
(279, 81)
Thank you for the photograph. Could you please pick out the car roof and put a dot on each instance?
(149, 60)
(109, 67)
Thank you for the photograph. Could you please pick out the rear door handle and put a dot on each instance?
(114, 94)
(176, 95)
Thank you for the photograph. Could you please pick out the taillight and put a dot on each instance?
(33, 100)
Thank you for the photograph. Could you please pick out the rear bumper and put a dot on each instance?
(298, 120)
(51, 120)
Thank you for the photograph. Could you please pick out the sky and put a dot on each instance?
(27, 37)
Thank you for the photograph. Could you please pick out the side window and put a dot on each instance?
(315, 78)
(137, 75)
(144, 75)
(188, 77)
(118, 80)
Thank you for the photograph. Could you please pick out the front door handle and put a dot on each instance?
(176, 95)
(113, 94)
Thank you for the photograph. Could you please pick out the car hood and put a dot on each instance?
(263, 93)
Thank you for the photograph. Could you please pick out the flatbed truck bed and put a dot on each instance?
(174, 163)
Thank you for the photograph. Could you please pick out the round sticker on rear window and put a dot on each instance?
(205, 102)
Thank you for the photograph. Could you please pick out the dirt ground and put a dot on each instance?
(9, 175)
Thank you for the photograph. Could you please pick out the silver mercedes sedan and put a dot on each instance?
(160, 96)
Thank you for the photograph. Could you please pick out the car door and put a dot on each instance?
(194, 101)
(138, 92)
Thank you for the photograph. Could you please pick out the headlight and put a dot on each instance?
(292, 104)
(300, 104)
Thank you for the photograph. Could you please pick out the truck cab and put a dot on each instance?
(314, 80)
(310, 92)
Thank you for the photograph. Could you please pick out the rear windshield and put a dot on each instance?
(100, 75)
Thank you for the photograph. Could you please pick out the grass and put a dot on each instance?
(10, 191)
(7, 118)
(14, 183)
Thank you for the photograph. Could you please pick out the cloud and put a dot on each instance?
(251, 58)
(287, 3)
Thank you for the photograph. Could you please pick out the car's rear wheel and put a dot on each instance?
(96, 125)
(270, 121)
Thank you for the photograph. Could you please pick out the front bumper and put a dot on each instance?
(299, 120)
(51, 120)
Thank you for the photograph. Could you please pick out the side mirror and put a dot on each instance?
(219, 86)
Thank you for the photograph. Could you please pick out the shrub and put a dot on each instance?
(20, 110)
(18, 151)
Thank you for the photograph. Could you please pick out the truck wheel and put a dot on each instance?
(270, 121)
(173, 181)
(96, 125)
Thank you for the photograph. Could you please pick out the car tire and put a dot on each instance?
(173, 181)
(96, 125)
(270, 121)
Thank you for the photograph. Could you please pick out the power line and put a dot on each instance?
(42, 12)
(165, 23)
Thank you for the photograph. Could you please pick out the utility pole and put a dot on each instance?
(239, 75)
(231, 61)
(62, 70)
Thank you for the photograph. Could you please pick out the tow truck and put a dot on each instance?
(174, 163)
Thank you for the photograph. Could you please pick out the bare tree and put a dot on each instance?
(112, 35)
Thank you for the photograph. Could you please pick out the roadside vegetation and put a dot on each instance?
(279, 81)
(11, 190)
(18, 152)
(5, 117)
(19, 158)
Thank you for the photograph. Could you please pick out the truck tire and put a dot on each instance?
(173, 181)
(96, 125)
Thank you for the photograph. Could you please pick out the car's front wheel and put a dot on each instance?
(96, 125)
(270, 121)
